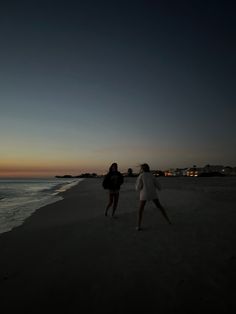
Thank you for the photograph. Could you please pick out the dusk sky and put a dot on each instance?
(87, 83)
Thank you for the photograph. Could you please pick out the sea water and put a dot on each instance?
(19, 198)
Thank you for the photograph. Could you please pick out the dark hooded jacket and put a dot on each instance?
(112, 180)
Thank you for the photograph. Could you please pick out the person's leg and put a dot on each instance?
(140, 214)
(109, 203)
(115, 202)
(162, 209)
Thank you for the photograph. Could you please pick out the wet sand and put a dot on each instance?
(68, 256)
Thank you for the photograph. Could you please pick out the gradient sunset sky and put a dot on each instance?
(87, 83)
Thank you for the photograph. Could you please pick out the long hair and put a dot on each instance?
(114, 165)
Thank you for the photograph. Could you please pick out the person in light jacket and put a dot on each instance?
(148, 185)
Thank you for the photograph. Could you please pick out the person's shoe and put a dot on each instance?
(138, 229)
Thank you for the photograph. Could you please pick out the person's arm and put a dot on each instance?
(139, 183)
(121, 179)
(106, 182)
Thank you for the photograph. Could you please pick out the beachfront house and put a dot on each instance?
(178, 172)
(194, 171)
(229, 171)
(213, 168)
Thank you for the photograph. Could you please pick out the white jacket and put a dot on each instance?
(147, 184)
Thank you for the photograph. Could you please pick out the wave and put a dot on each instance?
(20, 199)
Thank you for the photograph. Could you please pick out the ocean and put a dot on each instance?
(19, 198)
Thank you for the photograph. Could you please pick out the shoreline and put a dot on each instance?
(14, 214)
(69, 256)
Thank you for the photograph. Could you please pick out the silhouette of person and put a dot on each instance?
(148, 185)
(112, 182)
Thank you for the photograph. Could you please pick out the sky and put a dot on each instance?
(87, 83)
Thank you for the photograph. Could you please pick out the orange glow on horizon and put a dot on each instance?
(18, 173)
(29, 169)
(41, 169)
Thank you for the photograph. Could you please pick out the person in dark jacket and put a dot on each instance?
(112, 182)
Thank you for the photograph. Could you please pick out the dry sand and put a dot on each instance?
(68, 256)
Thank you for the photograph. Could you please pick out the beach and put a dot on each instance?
(68, 256)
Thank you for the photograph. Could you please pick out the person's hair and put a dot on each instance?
(145, 167)
(113, 165)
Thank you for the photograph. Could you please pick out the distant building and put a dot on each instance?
(229, 171)
(178, 172)
(194, 172)
(170, 173)
(213, 168)
(158, 173)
